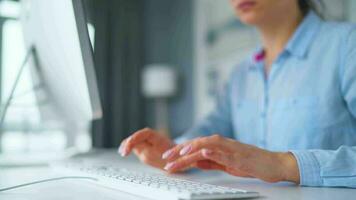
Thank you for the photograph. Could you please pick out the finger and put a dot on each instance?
(239, 173)
(184, 162)
(225, 160)
(173, 153)
(211, 142)
(144, 152)
(182, 170)
(140, 148)
(162, 142)
(209, 165)
(120, 149)
(136, 138)
(192, 146)
(160, 137)
(218, 157)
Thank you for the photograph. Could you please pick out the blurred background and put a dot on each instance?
(159, 64)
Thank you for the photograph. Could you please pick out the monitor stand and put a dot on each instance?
(35, 158)
(29, 54)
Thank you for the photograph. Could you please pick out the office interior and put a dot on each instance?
(199, 46)
(184, 40)
(159, 64)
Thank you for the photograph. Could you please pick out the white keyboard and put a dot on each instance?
(152, 186)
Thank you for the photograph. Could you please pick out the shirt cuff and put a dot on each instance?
(309, 168)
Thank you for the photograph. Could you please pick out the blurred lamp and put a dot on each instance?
(159, 82)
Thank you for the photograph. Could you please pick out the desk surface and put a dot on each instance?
(86, 190)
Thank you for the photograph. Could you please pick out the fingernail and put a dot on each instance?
(185, 150)
(167, 154)
(169, 166)
(207, 152)
(122, 151)
(119, 150)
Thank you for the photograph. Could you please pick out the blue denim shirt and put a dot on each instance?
(307, 104)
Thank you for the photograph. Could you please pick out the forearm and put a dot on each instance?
(289, 167)
(272, 166)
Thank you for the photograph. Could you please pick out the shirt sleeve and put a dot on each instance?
(335, 168)
(217, 122)
(327, 168)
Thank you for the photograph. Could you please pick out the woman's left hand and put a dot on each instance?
(219, 153)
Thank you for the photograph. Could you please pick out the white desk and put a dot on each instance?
(86, 190)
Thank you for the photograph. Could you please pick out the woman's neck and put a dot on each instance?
(276, 34)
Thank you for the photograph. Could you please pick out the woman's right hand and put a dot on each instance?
(148, 145)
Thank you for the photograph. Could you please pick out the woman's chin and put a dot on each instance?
(249, 18)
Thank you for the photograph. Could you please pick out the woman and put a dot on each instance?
(291, 107)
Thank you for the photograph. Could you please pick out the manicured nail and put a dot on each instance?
(125, 153)
(119, 150)
(207, 152)
(122, 151)
(185, 150)
(169, 166)
(167, 154)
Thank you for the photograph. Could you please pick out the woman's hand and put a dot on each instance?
(219, 153)
(148, 145)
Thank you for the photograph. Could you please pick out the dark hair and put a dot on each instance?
(311, 5)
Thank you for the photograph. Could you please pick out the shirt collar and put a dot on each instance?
(300, 42)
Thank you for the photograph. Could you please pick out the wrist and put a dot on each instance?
(289, 167)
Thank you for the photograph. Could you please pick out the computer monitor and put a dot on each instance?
(56, 31)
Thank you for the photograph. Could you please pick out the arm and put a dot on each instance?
(327, 168)
(334, 168)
